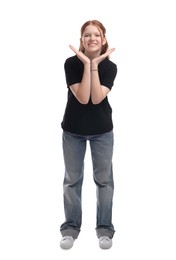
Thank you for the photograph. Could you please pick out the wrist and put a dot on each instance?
(93, 66)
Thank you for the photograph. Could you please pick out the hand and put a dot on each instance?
(80, 55)
(97, 60)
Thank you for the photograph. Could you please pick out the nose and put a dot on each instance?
(92, 36)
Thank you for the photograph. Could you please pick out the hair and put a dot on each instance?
(102, 30)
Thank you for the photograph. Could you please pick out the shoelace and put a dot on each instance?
(67, 237)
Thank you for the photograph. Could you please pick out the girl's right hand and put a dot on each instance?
(80, 55)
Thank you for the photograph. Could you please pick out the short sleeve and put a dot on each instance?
(73, 70)
(108, 72)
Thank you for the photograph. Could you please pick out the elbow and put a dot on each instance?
(96, 101)
(84, 101)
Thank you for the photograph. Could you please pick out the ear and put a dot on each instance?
(104, 40)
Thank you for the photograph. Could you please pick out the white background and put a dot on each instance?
(34, 39)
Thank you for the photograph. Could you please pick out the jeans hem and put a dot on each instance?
(70, 232)
(105, 232)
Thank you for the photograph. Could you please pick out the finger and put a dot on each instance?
(73, 48)
(111, 50)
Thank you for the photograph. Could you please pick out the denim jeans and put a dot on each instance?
(74, 148)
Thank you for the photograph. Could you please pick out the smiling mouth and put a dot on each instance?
(92, 44)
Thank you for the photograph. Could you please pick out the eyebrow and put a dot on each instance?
(92, 33)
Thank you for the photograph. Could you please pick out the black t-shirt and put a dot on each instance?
(89, 119)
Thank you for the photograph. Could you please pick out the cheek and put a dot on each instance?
(85, 42)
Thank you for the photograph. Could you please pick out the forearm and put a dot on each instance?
(82, 91)
(96, 89)
(98, 92)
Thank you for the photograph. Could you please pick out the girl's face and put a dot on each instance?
(92, 40)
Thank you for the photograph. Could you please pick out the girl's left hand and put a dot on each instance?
(97, 60)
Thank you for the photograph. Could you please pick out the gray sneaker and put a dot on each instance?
(105, 242)
(67, 242)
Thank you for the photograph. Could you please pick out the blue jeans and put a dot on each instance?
(74, 148)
